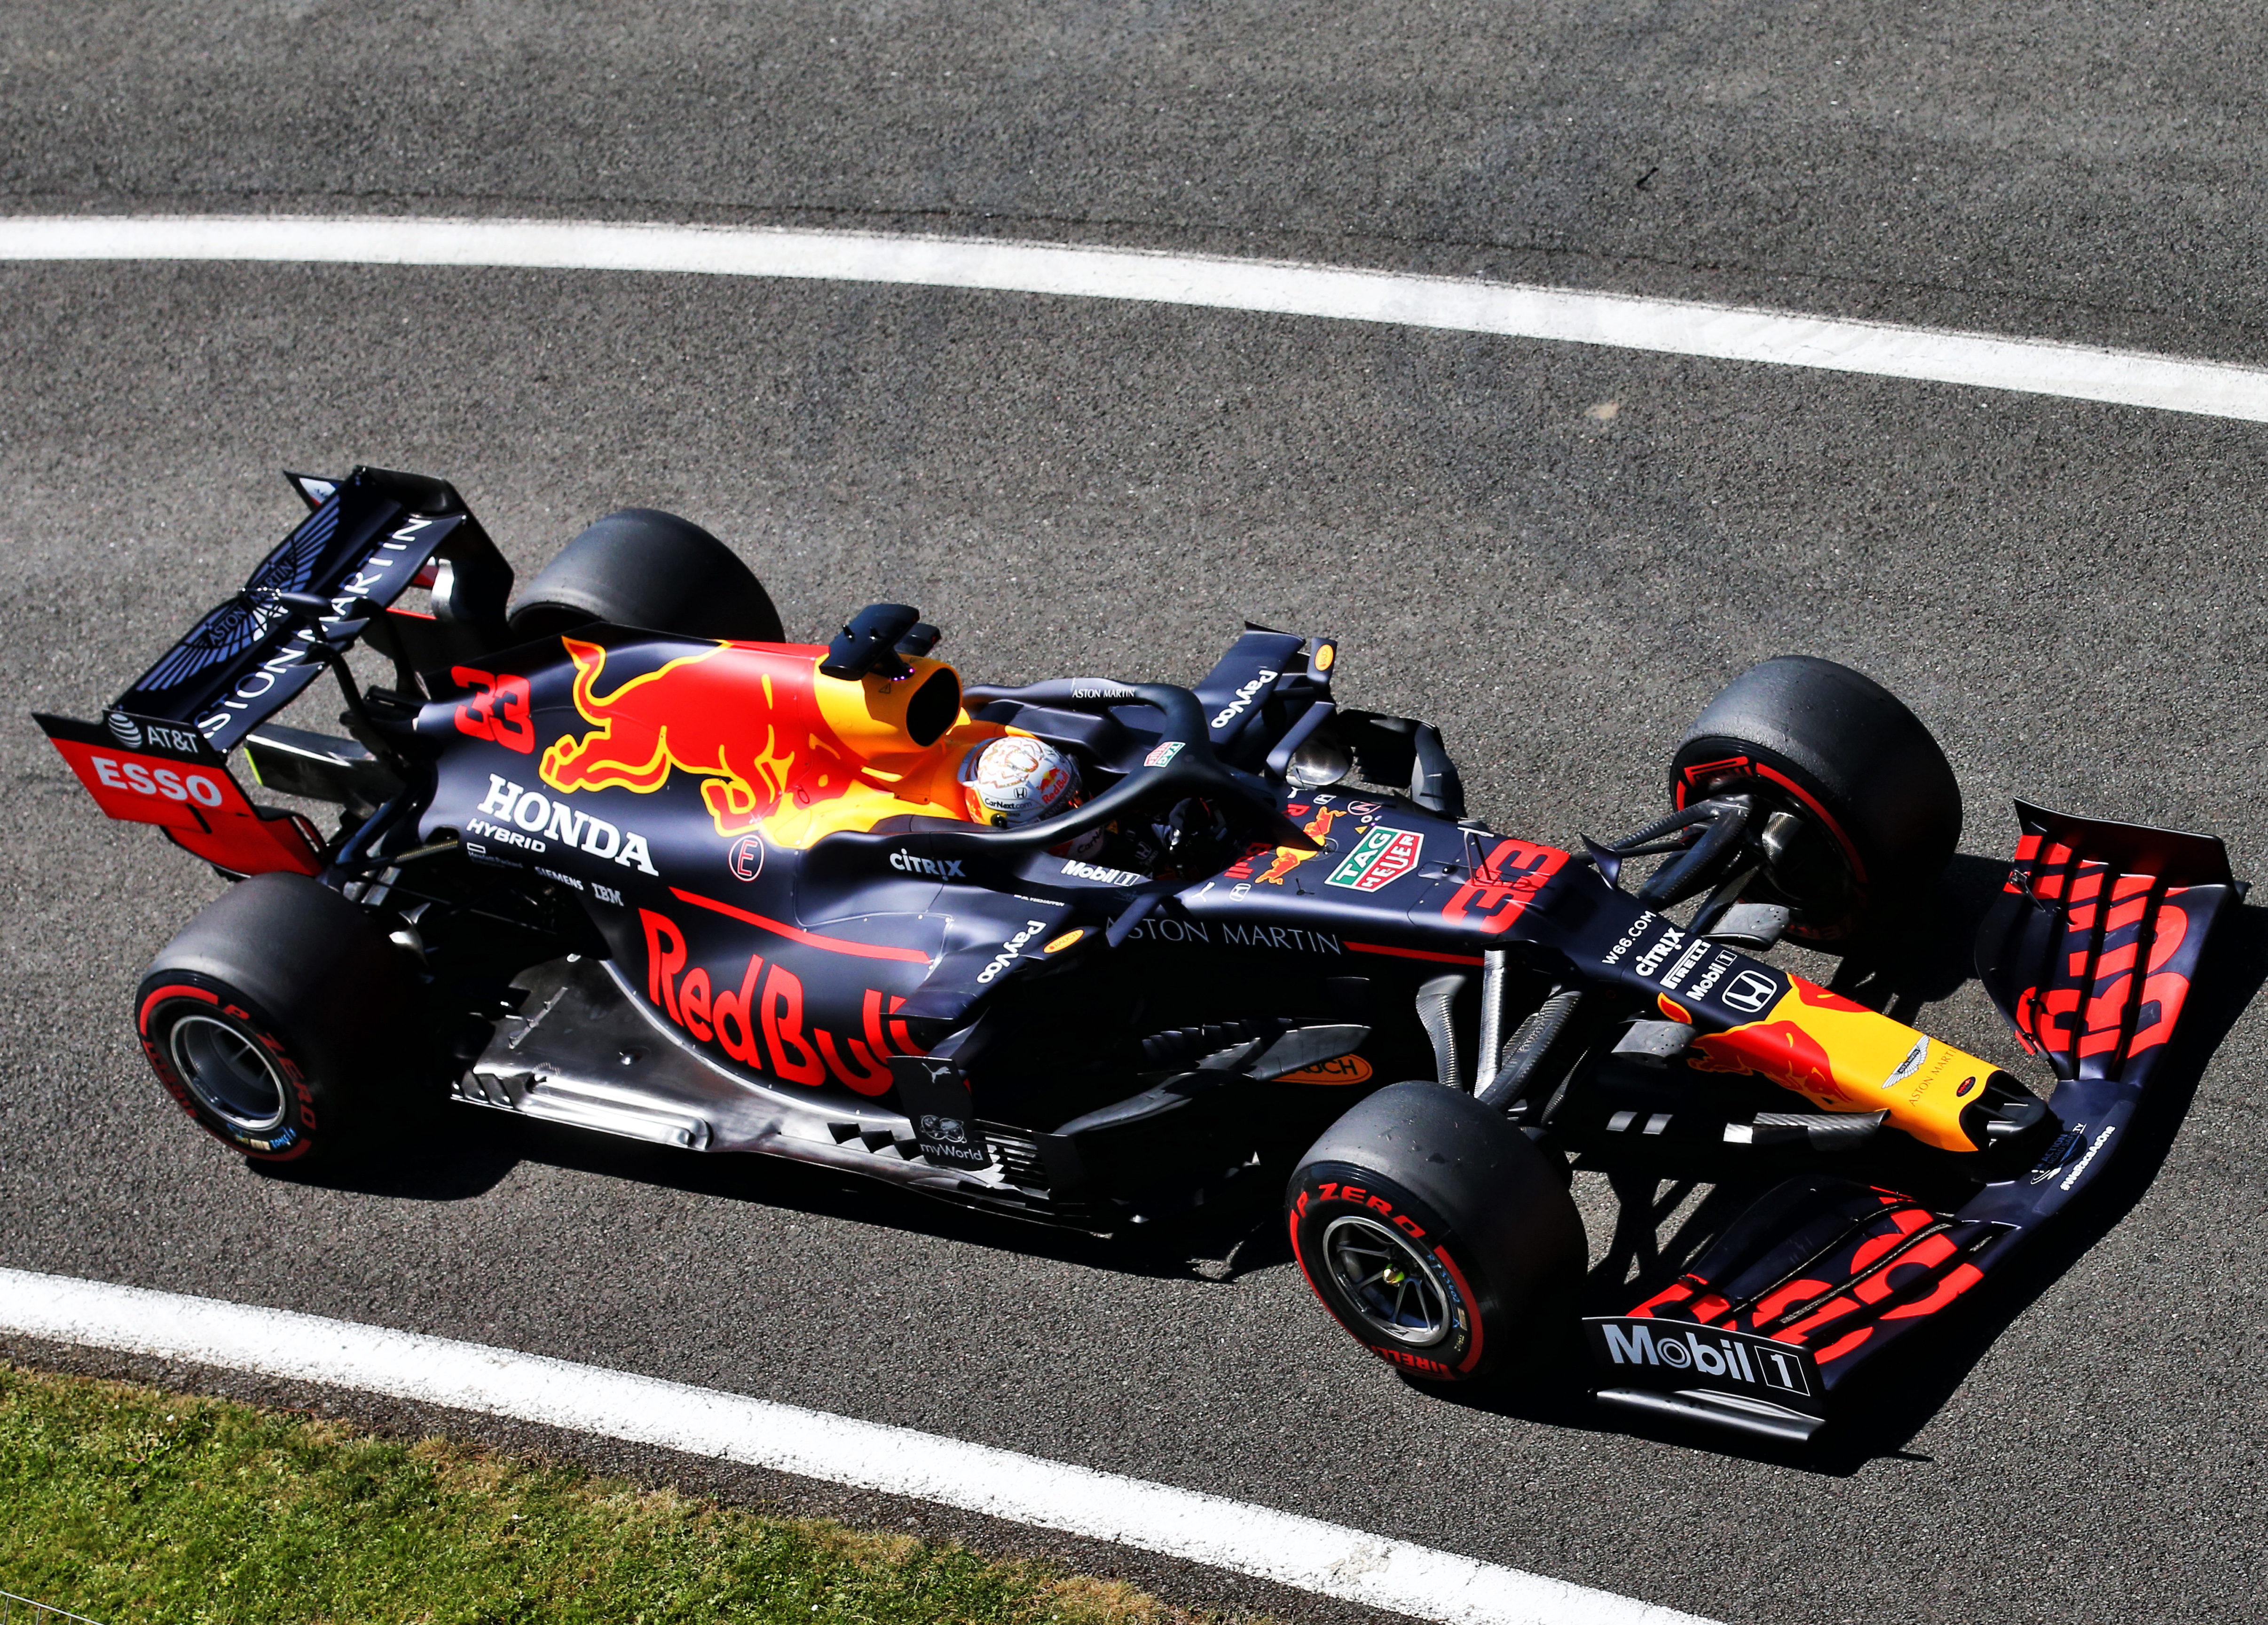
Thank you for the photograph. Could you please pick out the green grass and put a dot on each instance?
(131, 1504)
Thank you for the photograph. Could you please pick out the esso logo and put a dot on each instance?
(163, 782)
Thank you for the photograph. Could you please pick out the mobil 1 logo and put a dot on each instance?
(1681, 1355)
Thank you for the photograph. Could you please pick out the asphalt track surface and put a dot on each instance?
(1556, 553)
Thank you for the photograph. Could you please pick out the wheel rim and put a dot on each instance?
(1387, 1281)
(227, 1073)
(1819, 881)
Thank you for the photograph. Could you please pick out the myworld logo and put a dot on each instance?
(1668, 1350)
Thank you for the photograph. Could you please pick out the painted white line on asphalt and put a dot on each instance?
(1675, 327)
(1292, 1550)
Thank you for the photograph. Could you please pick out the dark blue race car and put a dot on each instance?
(616, 855)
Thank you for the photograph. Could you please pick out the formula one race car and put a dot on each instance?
(619, 856)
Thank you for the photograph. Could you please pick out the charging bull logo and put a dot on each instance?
(746, 720)
(1843, 1057)
(1809, 1030)
(1286, 858)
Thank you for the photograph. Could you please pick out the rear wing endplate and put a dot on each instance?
(159, 755)
(142, 770)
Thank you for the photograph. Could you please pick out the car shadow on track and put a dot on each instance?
(1219, 1241)
(1926, 960)
(1879, 1415)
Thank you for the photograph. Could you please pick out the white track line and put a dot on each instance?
(1283, 1547)
(1677, 327)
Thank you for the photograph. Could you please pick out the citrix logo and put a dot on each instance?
(937, 868)
(1008, 951)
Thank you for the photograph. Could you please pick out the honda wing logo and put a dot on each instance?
(1751, 991)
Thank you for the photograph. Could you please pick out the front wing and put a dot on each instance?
(2091, 951)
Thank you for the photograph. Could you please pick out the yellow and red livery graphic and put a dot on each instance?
(1843, 1057)
(779, 749)
(742, 717)
(1286, 858)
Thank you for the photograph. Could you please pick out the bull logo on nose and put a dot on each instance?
(743, 719)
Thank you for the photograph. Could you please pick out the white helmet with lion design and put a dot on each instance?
(1015, 781)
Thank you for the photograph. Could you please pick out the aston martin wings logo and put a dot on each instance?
(241, 623)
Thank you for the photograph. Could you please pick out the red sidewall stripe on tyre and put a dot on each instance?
(1464, 1290)
(142, 1016)
(303, 1132)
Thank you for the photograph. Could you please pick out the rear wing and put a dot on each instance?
(159, 755)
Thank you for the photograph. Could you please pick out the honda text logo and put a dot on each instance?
(541, 821)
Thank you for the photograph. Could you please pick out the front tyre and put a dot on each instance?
(279, 1020)
(1437, 1235)
(1877, 808)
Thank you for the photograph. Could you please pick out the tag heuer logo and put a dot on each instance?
(1382, 855)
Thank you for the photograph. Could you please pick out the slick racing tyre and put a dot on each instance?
(277, 1019)
(1437, 1235)
(1879, 809)
(642, 567)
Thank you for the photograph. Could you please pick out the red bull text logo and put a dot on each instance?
(760, 1023)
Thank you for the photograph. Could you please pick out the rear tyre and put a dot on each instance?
(278, 1019)
(1437, 1235)
(1881, 810)
(642, 567)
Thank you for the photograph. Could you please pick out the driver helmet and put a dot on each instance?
(1014, 781)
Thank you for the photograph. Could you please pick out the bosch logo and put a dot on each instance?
(946, 869)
